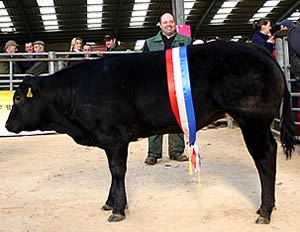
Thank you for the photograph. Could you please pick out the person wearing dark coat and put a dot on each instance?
(285, 26)
(294, 49)
(262, 35)
(112, 44)
(38, 67)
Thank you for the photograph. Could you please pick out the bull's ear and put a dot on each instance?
(29, 93)
(30, 86)
(28, 80)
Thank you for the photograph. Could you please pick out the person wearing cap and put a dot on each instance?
(38, 46)
(112, 44)
(38, 67)
(285, 26)
(10, 47)
(166, 38)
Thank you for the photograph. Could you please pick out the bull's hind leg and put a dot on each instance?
(117, 201)
(263, 148)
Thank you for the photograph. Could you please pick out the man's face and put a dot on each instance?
(87, 48)
(167, 24)
(110, 43)
(28, 47)
(38, 48)
(11, 49)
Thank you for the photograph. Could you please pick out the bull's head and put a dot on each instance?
(26, 109)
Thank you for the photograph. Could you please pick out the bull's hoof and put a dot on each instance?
(262, 220)
(114, 217)
(106, 207)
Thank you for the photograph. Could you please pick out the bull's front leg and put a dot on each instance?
(117, 201)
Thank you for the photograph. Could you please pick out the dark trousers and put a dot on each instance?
(175, 145)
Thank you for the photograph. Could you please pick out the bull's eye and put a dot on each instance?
(17, 99)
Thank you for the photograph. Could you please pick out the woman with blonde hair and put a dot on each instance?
(75, 46)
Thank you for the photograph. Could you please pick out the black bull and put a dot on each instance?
(111, 102)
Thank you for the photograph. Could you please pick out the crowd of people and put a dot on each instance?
(264, 37)
(30, 66)
(166, 38)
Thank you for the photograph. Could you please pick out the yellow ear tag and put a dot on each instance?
(29, 93)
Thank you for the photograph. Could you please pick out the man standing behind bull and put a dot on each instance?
(38, 67)
(166, 38)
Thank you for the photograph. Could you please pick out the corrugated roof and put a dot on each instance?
(116, 14)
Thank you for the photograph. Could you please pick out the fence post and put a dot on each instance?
(279, 51)
(11, 73)
(51, 64)
(60, 65)
(286, 62)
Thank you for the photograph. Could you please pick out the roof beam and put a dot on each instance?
(118, 18)
(24, 16)
(289, 11)
(212, 4)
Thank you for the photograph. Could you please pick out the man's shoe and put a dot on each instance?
(180, 158)
(150, 160)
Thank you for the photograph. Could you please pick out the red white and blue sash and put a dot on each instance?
(181, 100)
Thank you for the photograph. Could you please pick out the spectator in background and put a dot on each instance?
(112, 44)
(294, 49)
(294, 56)
(285, 26)
(75, 47)
(25, 65)
(10, 47)
(38, 46)
(166, 38)
(88, 48)
(76, 44)
(38, 67)
(28, 47)
(262, 35)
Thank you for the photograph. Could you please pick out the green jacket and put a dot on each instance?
(4, 66)
(156, 43)
(38, 67)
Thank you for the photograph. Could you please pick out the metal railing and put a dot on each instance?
(282, 57)
(56, 61)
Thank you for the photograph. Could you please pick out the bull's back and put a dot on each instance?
(236, 78)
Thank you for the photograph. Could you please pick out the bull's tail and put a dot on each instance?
(287, 126)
